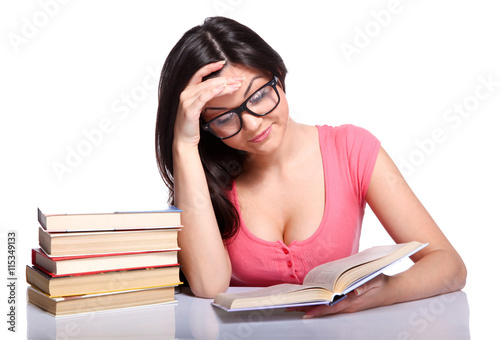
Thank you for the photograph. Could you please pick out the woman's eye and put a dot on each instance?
(258, 96)
(226, 119)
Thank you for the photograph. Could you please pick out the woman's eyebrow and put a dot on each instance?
(214, 108)
(250, 85)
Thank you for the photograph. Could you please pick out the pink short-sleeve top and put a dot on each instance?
(349, 154)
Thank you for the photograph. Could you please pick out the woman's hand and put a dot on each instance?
(374, 293)
(195, 96)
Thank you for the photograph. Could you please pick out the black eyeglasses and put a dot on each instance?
(260, 103)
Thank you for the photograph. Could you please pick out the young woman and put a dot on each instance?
(264, 198)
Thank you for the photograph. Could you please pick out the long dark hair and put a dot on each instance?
(218, 38)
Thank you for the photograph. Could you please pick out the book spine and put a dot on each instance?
(42, 219)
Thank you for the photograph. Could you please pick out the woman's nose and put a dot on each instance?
(251, 122)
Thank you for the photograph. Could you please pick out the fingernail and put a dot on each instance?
(222, 62)
(307, 316)
(357, 291)
(235, 85)
(221, 86)
(241, 78)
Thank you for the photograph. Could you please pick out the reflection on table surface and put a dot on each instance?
(441, 317)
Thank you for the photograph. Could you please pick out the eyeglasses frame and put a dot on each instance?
(243, 107)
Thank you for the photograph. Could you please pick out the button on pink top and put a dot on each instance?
(349, 154)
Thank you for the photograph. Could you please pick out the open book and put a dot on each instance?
(325, 284)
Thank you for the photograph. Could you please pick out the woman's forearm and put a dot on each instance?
(440, 271)
(203, 256)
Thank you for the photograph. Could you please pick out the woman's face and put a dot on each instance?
(259, 134)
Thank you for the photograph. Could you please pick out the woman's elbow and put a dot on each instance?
(459, 276)
(209, 290)
(209, 284)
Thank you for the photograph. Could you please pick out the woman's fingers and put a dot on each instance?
(205, 71)
(207, 89)
(220, 87)
(373, 283)
(198, 92)
(196, 97)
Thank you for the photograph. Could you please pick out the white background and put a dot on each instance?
(68, 68)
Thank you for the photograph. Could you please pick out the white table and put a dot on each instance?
(441, 317)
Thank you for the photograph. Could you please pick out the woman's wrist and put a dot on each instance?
(182, 147)
(393, 288)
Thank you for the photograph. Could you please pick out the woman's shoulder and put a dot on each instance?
(343, 128)
(347, 132)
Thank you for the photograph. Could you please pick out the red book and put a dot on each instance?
(65, 265)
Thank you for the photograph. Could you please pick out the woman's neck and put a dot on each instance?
(295, 143)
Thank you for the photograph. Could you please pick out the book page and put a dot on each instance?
(262, 292)
(327, 274)
(358, 275)
(277, 295)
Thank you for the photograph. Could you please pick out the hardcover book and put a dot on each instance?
(68, 285)
(99, 302)
(110, 221)
(325, 284)
(65, 265)
(103, 242)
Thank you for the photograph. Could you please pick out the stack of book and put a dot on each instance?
(101, 261)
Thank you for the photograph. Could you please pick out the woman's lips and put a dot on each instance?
(261, 136)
